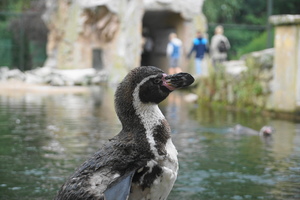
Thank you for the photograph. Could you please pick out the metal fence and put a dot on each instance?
(23, 38)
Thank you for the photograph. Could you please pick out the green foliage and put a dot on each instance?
(245, 21)
(5, 44)
(221, 11)
(246, 11)
(22, 35)
(4, 33)
(239, 38)
(286, 7)
(14, 5)
(246, 90)
(257, 44)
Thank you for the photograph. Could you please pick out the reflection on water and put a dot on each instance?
(44, 137)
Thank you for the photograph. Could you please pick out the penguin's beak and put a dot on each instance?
(176, 81)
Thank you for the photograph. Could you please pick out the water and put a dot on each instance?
(43, 137)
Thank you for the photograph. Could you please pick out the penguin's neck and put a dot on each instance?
(135, 115)
(144, 121)
(156, 127)
(149, 114)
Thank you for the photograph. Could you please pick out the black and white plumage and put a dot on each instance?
(141, 161)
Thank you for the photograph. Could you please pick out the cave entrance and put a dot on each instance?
(157, 25)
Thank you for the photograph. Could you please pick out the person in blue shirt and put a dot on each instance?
(200, 48)
(174, 53)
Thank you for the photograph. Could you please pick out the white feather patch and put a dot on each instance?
(151, 116)
(149, 113)
(100, 180)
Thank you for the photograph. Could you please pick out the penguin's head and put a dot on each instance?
(266, 131)
(148, 84)
(152, 85)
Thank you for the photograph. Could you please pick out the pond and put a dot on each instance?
(44, 137)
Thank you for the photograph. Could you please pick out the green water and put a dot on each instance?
(44, 137)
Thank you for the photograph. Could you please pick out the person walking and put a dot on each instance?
(174, 53)
(219, 47)
(200, 47)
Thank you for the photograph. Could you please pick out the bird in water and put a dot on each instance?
(141, 161)
(242, 130)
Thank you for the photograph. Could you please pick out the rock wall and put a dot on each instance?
(108, 34)
(286, 92)
(54, 77)
(266, 80)
(98, 34)
(245, 84)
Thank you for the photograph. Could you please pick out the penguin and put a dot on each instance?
(242, 130)
(140, 162)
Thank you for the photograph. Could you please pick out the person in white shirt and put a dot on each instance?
(174, 53)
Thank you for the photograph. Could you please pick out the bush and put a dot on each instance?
(257, 44)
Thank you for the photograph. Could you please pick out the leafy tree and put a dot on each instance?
(23, 34)
(286, 7)
(245, 20)
(222, 11)
(14, 5)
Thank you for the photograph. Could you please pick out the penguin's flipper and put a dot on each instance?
(120, 191)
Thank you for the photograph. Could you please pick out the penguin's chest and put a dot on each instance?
(156, 179)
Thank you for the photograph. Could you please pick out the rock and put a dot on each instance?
(3, 73)
(55, 77)
(16, 74)
(246, 82)
(33, 79)
(99, 78)
(284, 19)
(266, 87)
(77, 76)
(93, 33)
(42, 71)
(191, 97)
(235, 67)
(266, 75)
(186, 8)
(260, 59)
(56, 80)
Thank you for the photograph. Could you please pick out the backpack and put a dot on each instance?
(222, 47)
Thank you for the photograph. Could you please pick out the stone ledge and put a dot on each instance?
(19, 88)
(280, 20)
(55, 77)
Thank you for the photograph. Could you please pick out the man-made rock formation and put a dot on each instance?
(243, 83)
(268, 79)
(54, 77)
(108, 34)
(286, 86)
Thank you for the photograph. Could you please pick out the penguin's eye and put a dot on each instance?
(157, 80)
